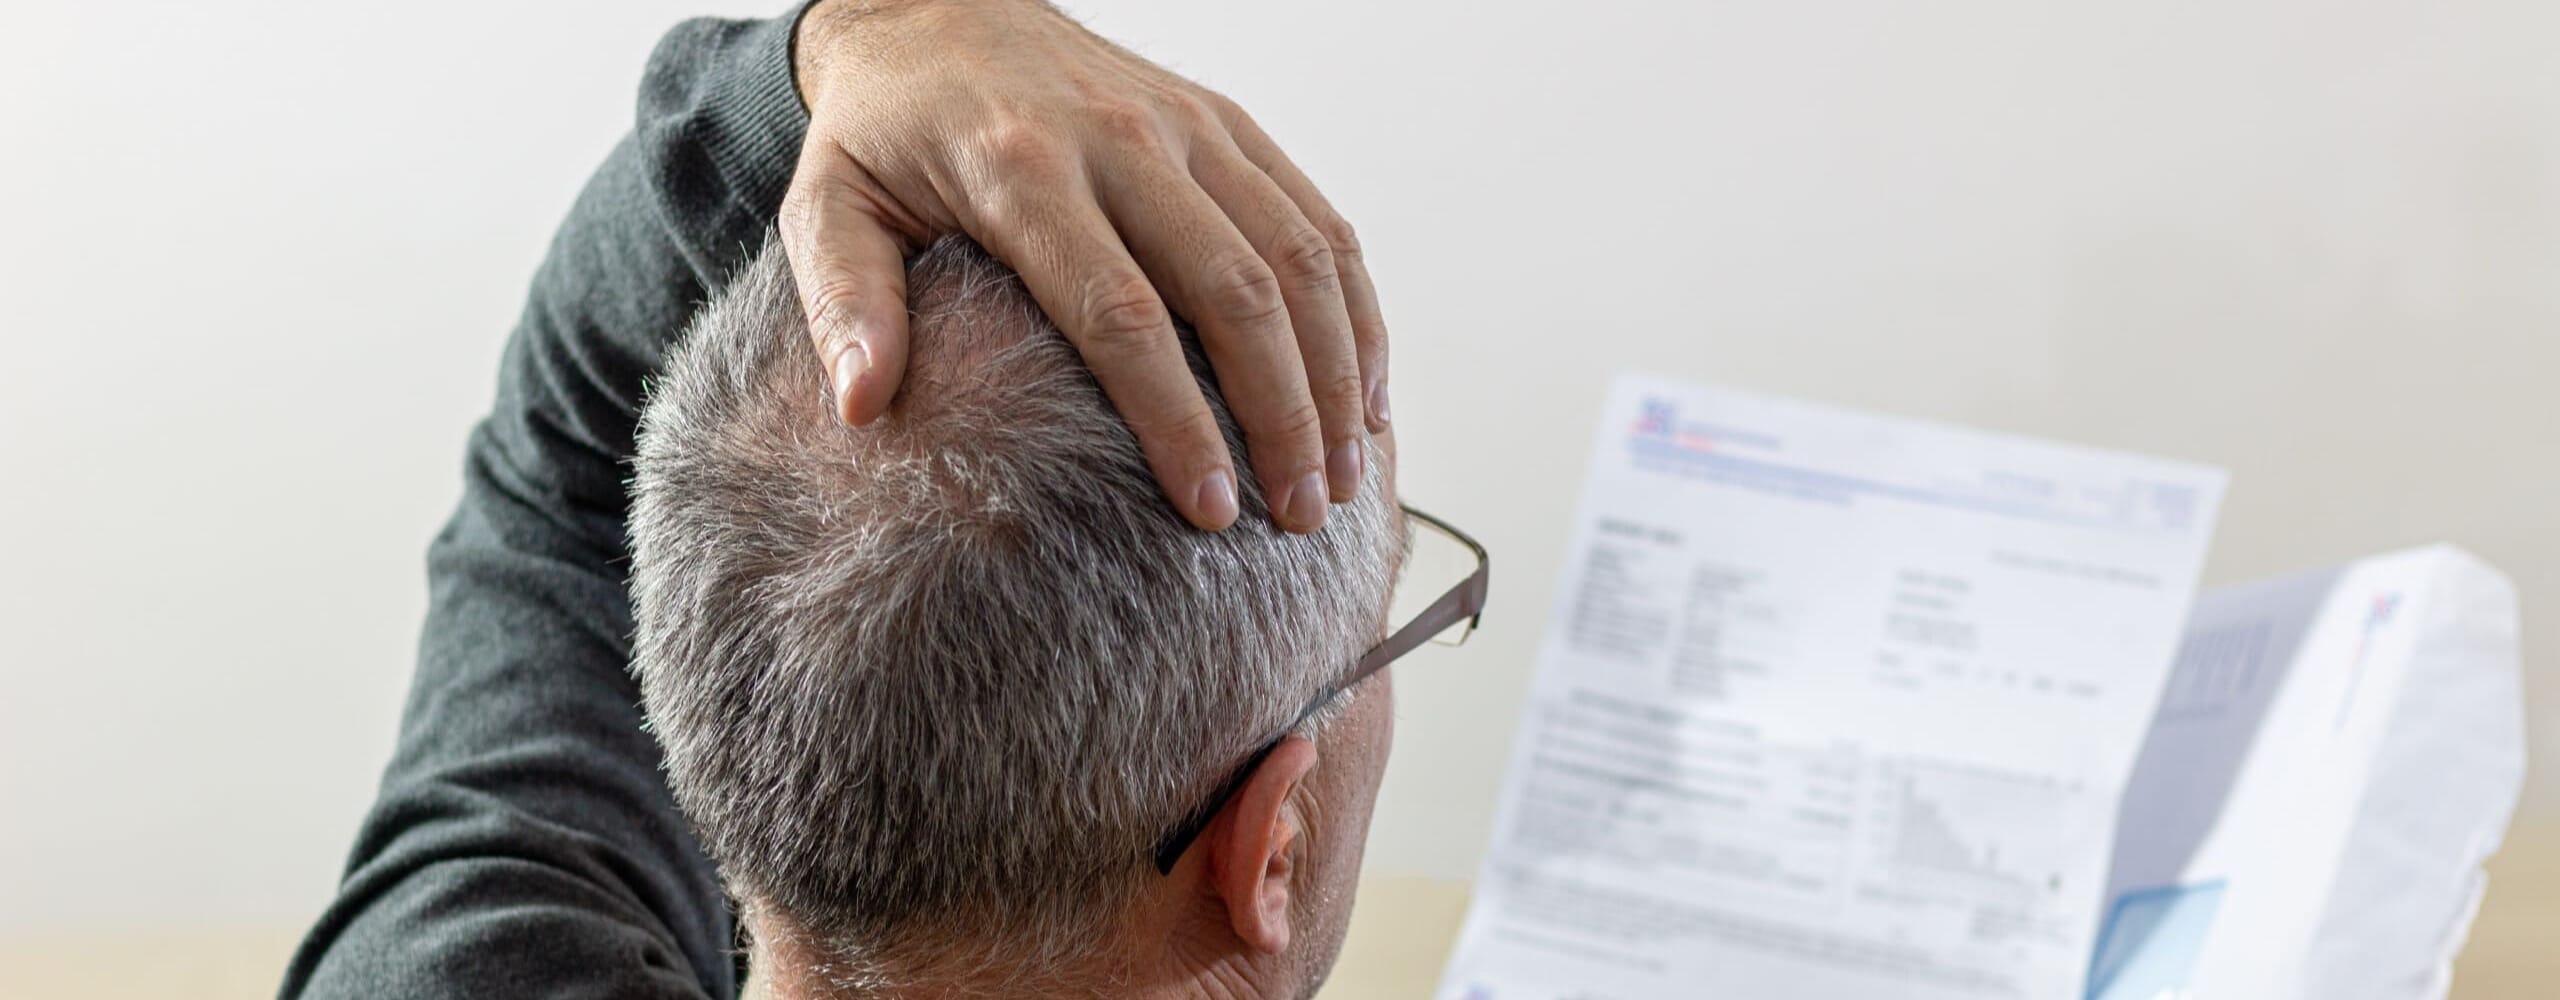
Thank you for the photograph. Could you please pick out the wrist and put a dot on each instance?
(813, 28)
(829, 31)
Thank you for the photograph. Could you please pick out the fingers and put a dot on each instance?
(1359, 295)
(1303, 261)
(1215, 276)
(1074, 264)
(851, 271)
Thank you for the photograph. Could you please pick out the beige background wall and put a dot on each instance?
(256, 260)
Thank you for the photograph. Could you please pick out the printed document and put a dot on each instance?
(1831, 705)
(2335, 756)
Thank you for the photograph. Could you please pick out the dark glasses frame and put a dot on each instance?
(1463, 603)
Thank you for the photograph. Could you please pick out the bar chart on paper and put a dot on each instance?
(1946, 822)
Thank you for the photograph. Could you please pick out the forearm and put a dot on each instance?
(524, 842)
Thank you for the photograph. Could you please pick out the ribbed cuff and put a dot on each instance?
(756, 117)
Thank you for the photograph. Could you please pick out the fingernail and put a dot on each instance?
(850, 364)
(1343, 465)
(1378, 403)
(1306, 503)
(1216, 500)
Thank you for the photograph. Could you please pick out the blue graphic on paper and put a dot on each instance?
(2148, 948)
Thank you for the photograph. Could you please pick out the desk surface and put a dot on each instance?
(1398, 939)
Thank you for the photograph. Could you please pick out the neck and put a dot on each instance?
(1189, 966)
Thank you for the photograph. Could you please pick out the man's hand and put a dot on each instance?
(1102, 178)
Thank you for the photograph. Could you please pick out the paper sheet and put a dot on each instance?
(1831, 705)
(2336, 754)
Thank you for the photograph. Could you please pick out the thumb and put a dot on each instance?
(852, 274)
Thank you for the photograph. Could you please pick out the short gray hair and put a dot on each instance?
(945, 678)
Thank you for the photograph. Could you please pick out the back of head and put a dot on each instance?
(945, 678)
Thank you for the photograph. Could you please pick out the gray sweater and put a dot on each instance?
(524, 843)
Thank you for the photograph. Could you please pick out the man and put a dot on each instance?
(525, 843)
(935, 690)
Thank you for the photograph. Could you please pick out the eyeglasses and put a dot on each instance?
(1448, 620)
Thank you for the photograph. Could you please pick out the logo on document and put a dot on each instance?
(1657, 417)
(1658, 427)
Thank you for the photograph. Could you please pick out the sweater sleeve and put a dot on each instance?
(523, 842)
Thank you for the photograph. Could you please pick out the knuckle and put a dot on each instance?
(804, 206)
(831, 301)
(1027, 149)
(1026, 178)
(1306, 257)
(1220, 107)
(1297, 423)
(1339, 234)
(1246, 290)
(1373, 357)
(1126, 124)
(1212, 109)
(1199, 112)
(1342, 391)
(1123, 316)
(1190, 428)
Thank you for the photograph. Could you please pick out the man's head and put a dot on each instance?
(932, 689)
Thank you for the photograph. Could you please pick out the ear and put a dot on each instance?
(1252, 846)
